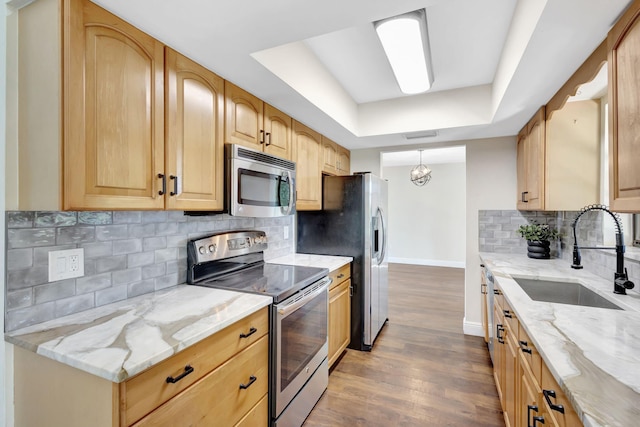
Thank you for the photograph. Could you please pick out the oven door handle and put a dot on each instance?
(295, 305)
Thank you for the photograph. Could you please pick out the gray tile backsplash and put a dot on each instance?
(126, 254)
(498, 233)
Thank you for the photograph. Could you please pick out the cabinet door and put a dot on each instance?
(308, 158)
(329, 156)
(339, 320)
(521, 161)
(277, 128)
(113, 112)
(530, 402)
(556, 402)
(499, 351)
(219, 399)
(344, 161)
(484, 305)
(511, 376)
(243, 118)
(195, 148)
(535, 161)
(624, 109)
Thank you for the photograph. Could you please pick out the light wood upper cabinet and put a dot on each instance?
(344, 161)
(113, 112)
(277, 128)
(531, 155)
(329, 156)
(254, 124)
(308, 157)
(624, 109)
(558, 158)
(194, 135)
(336, 159)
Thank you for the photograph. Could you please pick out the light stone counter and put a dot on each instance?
(309, 260)
(593, 353)
(119, 340)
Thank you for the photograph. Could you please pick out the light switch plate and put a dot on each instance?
(66, 264)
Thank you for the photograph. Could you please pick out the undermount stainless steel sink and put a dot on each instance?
(563, 293)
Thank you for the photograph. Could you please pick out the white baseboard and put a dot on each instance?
(430, 262)
(472, 328)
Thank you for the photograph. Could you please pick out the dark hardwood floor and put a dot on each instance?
(423, 371)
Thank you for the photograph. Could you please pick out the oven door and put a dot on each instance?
(260, 190)
(300, 340)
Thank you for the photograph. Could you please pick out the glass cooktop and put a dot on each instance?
(276, 280)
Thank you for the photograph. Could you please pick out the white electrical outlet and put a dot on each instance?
(66, 264)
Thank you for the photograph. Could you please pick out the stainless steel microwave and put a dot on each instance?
(259, 184)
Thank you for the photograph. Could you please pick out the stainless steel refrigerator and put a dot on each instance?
(353, 223)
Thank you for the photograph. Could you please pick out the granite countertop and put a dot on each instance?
(119, 340)
(309, 260)
(593, 353)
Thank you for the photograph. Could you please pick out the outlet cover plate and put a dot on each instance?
(66, 264)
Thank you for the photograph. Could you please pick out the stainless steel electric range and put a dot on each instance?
(298, 316)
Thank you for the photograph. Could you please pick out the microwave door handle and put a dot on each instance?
(291, 193)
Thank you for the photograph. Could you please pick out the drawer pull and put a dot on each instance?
(252, 380)
(500, 328)
(524, 347)
(187, 370)
(252, 331)
(537, 420)
(529, 409)
(507, 313)
(548, 394)
(340, 276)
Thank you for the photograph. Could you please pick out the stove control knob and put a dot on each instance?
(201, 249)
(212, 248)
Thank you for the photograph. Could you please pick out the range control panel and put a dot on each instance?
(227, 245)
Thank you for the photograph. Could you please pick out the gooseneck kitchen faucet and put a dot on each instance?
(621, 280)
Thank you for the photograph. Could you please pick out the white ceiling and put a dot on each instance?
(495, 61)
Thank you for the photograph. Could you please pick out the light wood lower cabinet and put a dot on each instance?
(207, 389)
(529, 395)
(339, 312)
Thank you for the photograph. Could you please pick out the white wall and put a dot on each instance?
(5, 393)
(427, 223)
(491, 185)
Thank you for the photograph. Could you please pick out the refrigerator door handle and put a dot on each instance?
(382, 230)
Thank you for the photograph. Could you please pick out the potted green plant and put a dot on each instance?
(538, 238)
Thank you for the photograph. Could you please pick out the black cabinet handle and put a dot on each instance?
(508, 314)
(522, 197)
(524, 347)
(252, 331)
(350, 291)
(268, 139)
(499, 328)
(497, 292)
(261, 136)
(175, 185)
(187, 370)
(529, 409)
(548, 394)
(164, 184)
(537, 420)
(252, 380)
(340, 276)
(482, 265)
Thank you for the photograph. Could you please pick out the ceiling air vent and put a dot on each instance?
(420, 135)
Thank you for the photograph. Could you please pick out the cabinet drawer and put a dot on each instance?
(218, 399)
(258, 416)
(530, 354)
(148, 390)
(556, 402)
(340, 275)
(510, 318)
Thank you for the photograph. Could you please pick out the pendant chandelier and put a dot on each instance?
(421, 174)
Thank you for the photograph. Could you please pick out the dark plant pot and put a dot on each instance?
(539, 249)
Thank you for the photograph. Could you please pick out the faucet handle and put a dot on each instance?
(576, 258)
